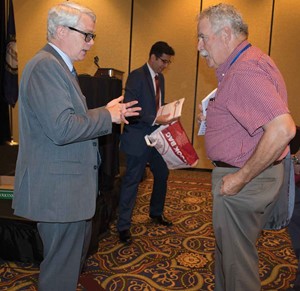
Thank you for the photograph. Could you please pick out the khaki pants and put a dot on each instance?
(238, 221)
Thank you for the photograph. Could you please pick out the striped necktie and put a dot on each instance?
(74, 73)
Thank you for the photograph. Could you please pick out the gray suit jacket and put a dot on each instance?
(58, 160)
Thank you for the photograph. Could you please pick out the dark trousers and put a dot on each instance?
(135, 167)
(294, 231)
(65, 249)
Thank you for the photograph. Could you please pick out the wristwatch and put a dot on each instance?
(295, 159)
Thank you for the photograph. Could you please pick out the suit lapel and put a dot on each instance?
(149, 79)
(151, 86)
(48, 48)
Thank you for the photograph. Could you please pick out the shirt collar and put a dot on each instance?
(222, 69)
(64, 56)
(153, 74)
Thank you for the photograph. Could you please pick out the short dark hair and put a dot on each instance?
(160, 48)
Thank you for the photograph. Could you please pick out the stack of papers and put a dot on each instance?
(204, 104)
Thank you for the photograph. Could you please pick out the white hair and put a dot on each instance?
(66, 14)
(225, 14)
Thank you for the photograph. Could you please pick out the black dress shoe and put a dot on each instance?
(161, 220)
(125, 236)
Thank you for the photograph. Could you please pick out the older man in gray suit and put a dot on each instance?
(56, 173)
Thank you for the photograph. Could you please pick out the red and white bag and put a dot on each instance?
(173, 144)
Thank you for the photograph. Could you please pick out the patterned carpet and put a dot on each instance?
(176, 258)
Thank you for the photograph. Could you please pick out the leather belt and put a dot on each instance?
(276, 162)
(222, 164)
(225, 165)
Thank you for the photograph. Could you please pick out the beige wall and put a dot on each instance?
(176, 26)
(175, 22)
(285, 49)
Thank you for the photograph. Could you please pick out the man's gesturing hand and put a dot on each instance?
(119, 111)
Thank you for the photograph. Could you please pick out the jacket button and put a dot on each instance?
(95, 167)
(94, 144)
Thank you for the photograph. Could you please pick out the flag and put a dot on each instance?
(11, 62)
(5, 134)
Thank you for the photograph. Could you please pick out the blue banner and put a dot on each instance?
(11, 62)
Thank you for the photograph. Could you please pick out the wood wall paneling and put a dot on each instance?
(175, 22)
(169, 21)
(285, 49)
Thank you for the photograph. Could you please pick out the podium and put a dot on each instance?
(99, 90)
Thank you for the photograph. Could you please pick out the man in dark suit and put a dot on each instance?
(58, 159)
(142, 86)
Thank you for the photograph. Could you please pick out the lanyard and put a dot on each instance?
(240, 52)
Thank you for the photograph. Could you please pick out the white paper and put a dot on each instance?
(204, 103)
(173, 108)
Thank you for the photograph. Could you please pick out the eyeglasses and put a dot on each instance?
(87, 35)
(167, 62)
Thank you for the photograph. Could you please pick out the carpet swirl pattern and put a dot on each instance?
(180, 257)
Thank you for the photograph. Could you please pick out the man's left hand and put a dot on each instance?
(165, 119)
(119, 111)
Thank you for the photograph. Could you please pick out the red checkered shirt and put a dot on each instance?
(251, 92)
